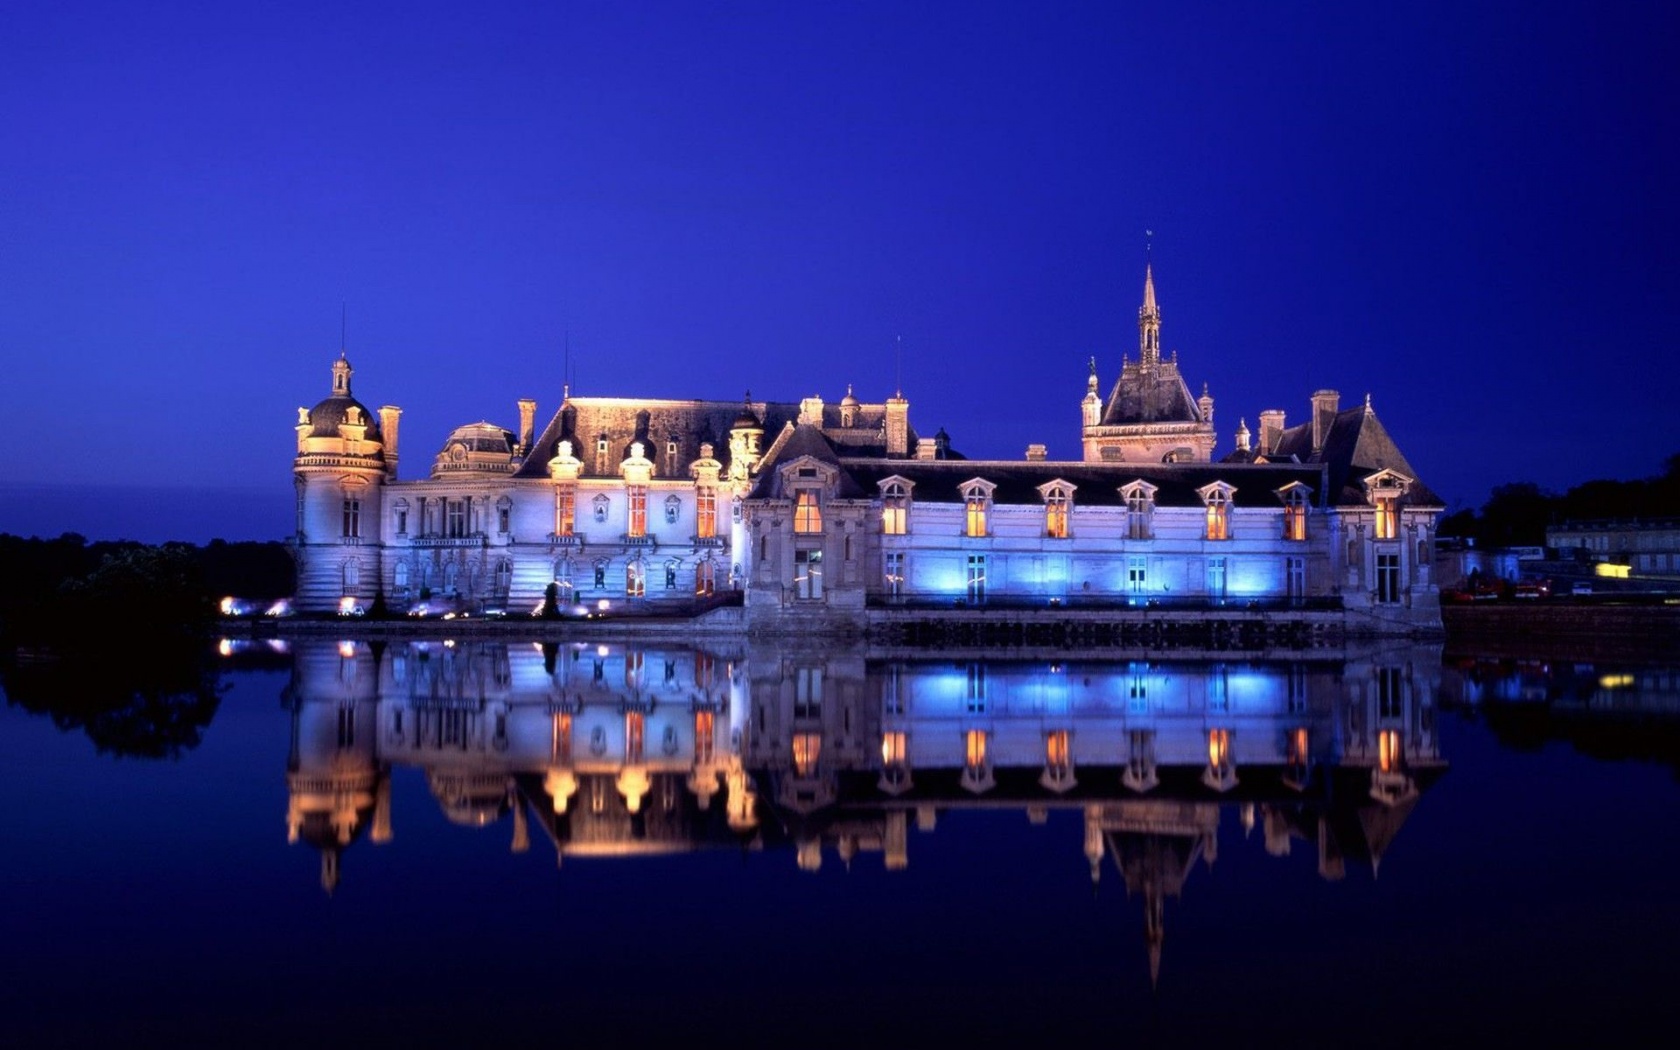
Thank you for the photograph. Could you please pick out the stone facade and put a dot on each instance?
(818, 514)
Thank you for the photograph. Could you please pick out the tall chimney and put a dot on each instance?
(1271, 431)
(1324, 404)
(527, 420)
(898, 426)
(388, 417)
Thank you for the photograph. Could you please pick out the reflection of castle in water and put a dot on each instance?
(618, 750)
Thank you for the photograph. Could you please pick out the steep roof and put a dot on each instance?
(1150, 394)
(1356, 446)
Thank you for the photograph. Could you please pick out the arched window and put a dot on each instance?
(1218, 514)
(977, 505)
(1056, 513)
(895, 510)
(1295, 514)
(1140, 510)
(807, 514)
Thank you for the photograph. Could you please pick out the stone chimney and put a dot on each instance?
(811, 411)
(926, 448)
(1324, 404)
(1037, 453)
(389, 415)
(898, 426)
(527, 419)
(1271, 430)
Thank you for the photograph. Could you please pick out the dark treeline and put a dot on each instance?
(1516, 515)
(112, 639)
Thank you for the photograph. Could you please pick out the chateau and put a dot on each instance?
(815, 515)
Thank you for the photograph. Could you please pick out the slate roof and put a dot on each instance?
(330, 412)
(584, 420)
(1155, 394)
(1095, 484)
(1356, 446)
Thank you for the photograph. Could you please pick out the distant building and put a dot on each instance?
(820, 514)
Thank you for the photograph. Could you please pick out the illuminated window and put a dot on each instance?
(352, 517)
(705, 512)
(894, 747)
(1140, 505)
(565, 510)
(807, 515)
(806, 748)
(977, 503)
(1388, 750)
(1388, 517)
(1056, 514)
(705, 579)
(895, 510)
(1218, 515)
(637, 495)
(635, 580)
(1295, 515)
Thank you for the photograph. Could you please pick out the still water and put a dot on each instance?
(345, 841)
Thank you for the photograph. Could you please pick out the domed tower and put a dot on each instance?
(340, 472)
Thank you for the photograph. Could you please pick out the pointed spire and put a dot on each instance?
(1149, 321)
(1149, 288)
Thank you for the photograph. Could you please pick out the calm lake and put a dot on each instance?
(341, 841)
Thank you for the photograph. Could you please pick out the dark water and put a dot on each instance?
(363, 844)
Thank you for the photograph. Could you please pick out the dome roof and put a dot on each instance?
(326, 416)
(482, 437)
(480, 447)
(850, 400)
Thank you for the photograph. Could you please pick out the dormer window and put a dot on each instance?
(1058, 497)
(895, 509)
(1217, 497)
(1388, 516)
(1384, 490)
(1295, 513)
(1140, 510)
(977, 507)
(807, 513)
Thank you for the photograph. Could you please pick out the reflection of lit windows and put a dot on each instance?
(1219, 749)
(895, 510)
(637, 495)
(892, 691)
(1388, 692)
(635, 724)
(1298, 746)
(808, 693)
(974, 749)
(705, 724)
(806, 748)
(807, 514)
(705, 512)
(1295, 515)
(1058, 760)
(893, 748)
(1388, 750)
(976, 693)
(1388, 578)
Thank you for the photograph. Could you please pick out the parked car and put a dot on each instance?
(1532, 589)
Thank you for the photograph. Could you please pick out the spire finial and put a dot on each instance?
(566, 365)
(343, 325)
(1367, 401)
(898, 366)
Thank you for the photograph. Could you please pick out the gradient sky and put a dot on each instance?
(1467, 211)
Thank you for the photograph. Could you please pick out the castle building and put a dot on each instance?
(824, 515)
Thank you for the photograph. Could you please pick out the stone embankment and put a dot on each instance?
(1563, 631)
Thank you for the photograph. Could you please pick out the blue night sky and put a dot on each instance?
(1465, 210)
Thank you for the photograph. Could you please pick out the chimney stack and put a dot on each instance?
(527, 420)
(389, 415)
(1271, 430)
(1037, 453)
(1324, 404)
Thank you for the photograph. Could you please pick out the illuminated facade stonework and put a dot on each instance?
(823, 516)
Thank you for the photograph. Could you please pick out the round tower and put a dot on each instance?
(340, 472)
